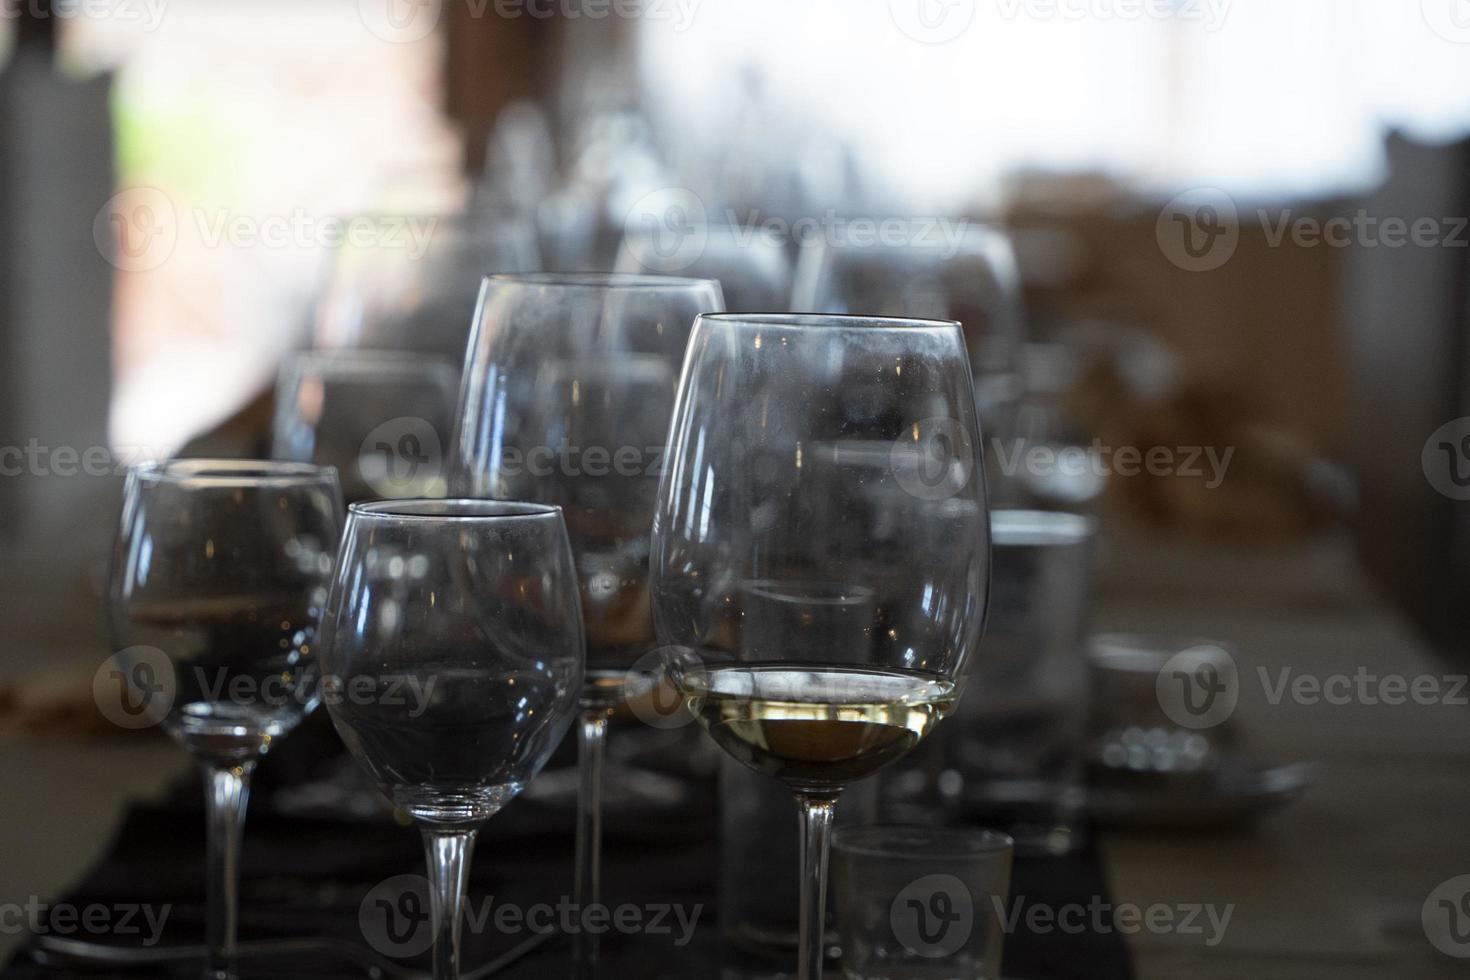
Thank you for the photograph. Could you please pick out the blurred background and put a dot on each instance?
(1236, 270)
(176, 175)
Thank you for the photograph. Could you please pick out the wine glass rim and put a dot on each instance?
(234, 473)
(367, 360)
(443, 509)
(601, 280)
(907, 841)
(1018, 526)
(1140, 652)
(828, 321)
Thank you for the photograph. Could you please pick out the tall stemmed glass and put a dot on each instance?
(408, 282)
(219, 576)
(958, 270)
(751, 263)
(569, 385)
(471, 607)
(381, 417)
(822, 480)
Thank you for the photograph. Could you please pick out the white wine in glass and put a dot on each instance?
(821, 550)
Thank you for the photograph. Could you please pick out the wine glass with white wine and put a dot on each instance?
(822, 480)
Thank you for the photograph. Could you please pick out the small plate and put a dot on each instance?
(1233, 795)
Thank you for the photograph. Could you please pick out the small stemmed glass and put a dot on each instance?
(470, 606)
(219, 576)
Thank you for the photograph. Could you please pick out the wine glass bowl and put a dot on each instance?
(820, 563)
(408, 282)
(568, 388)
(453, 650)
(223, 566)
(382, 418)
(963, 271)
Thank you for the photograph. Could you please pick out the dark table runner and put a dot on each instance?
(303, 877)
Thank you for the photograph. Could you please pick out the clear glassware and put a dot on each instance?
(409, 282)
(960, 270)
(219, 577)
(568, 389)
(822, 473)
(382, 418)
(752, 264)
(452, 652)
(1014, 751)
(921, 902)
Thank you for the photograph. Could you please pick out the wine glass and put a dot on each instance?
(469, 606)
(219, 576)
(380, 417)
(751, 263)
(958, 270)
(568, 388)
(822, 480)
(408, 282)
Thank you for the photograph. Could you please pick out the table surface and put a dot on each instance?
(1332, 886)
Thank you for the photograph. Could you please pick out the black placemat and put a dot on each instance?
(303, 877)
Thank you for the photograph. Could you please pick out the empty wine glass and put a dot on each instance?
(959, 270)
(751, 263)
(382, 418)
(219, 577)
(569, 384)
(470, 607)
(822, 479)
(409, 282)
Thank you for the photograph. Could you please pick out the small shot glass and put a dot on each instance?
(920, 903)
(1162, 704)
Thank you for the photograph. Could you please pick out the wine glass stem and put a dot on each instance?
(226, 793)
(587, 888)
(448, 850)
(816, 834)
